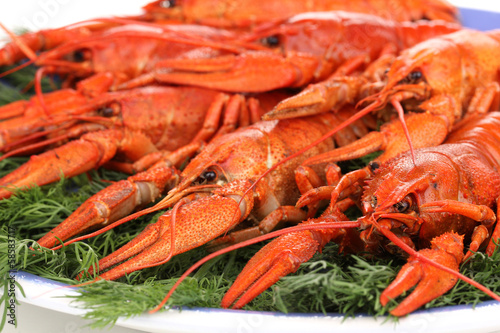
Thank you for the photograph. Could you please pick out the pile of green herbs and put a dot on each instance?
(330, 282)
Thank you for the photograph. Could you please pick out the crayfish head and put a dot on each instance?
(201, 173)
(69, 58)
(399, 188)
(221, 161)
(409, 68)
(428, 69)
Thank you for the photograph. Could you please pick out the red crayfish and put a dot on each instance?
(446, 199)
(219, 177)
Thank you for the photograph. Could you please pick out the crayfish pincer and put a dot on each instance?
(429, 209)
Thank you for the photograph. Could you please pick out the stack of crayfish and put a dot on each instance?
(262, 99)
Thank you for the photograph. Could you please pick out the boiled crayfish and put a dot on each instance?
(121, 129)
(302, 49)
(243, 13)
(220, 177)
(141, 130)
(446, 92)
(446, 199)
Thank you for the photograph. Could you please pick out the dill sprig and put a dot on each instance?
(329, 283)
(20, 85)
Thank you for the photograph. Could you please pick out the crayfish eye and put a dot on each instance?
(412, 78)
(111, 110)
(168, 4)
(207, 176)
(415, 76)
(80, 55)
(107, 112)
(404, 205)
(373, 165)
(271, 41)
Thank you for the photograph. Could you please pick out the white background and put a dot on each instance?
(42, 14)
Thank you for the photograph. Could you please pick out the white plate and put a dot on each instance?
(53, 313)
(460, 319)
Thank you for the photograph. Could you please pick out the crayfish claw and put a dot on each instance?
(327, 95)
(112, 203)
(191, 225)
(431, 282)
(277, 259)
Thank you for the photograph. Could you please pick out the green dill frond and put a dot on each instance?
(20, 84)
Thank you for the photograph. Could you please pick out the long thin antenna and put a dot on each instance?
(347, 224)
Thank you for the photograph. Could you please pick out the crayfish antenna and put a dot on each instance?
(33, 57)
(39, 92)
(15, 69)
(22, 46)
(24, 142)
(337, 225)
(33, 146)
(401, 115)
